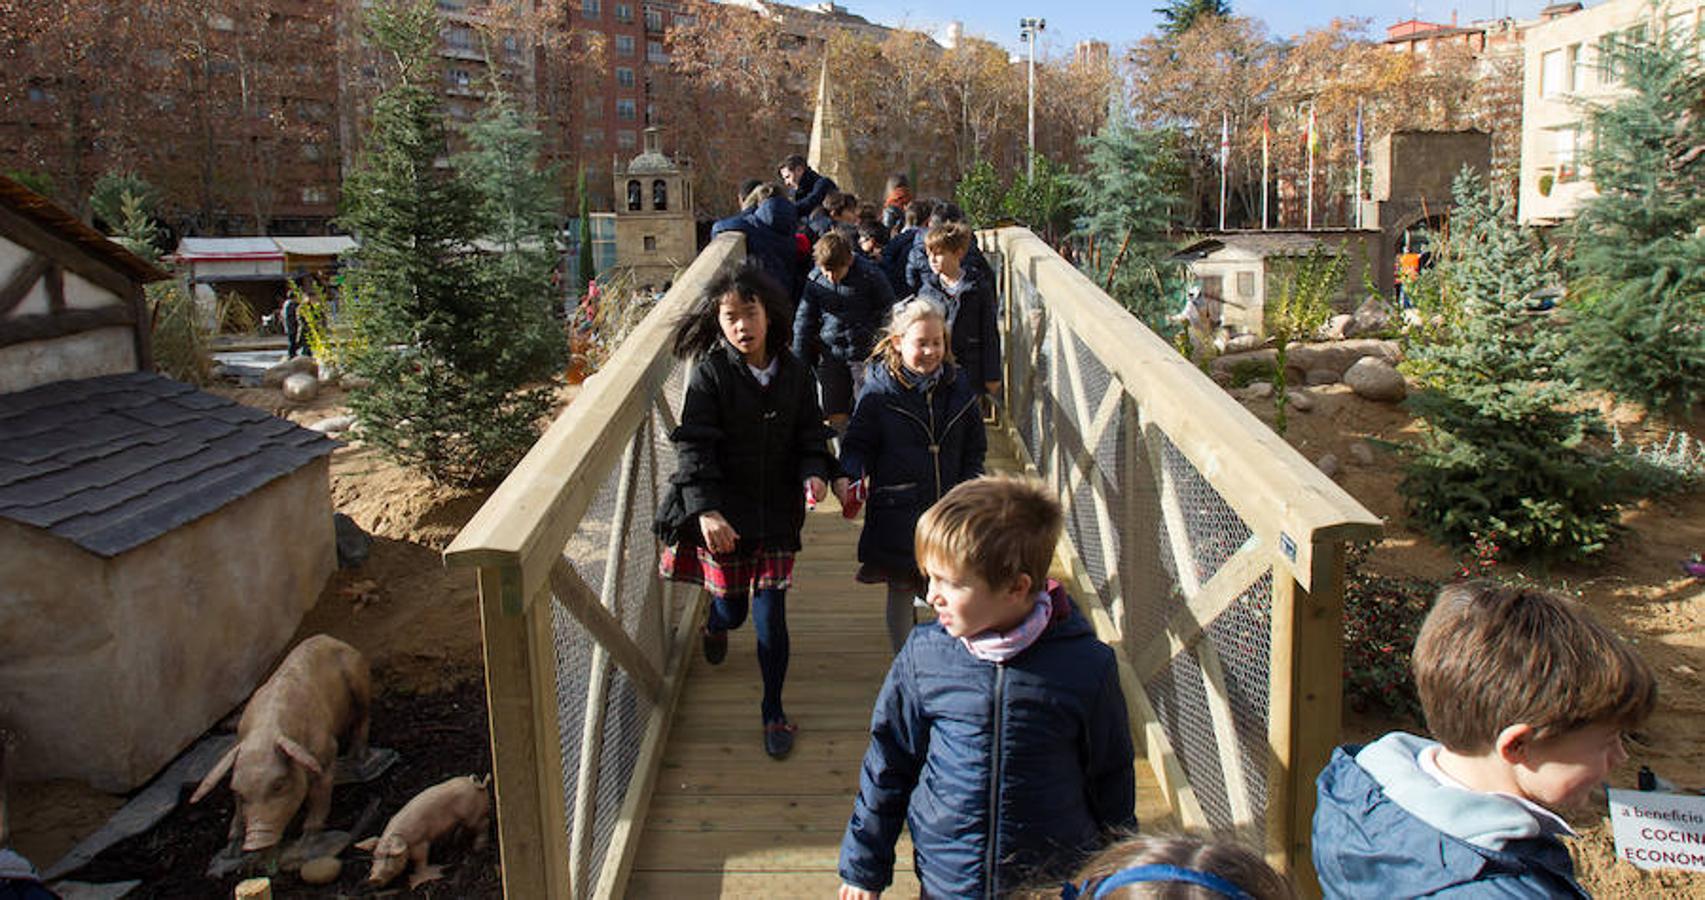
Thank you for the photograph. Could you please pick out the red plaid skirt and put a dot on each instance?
(727, 574)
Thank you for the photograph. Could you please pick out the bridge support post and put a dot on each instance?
(1306, 690)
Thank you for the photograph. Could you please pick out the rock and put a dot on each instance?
(328, 372)
(1373, 315)
(1315, 377)
(321, 870)
(276, 375)
(353, 544)
(1328, 465)
(1334, 329)
(1376, 379)
(1339, 356)
(1259, 390)
(1361, 453)
(355, 383)
(301, 387)
(1243, 343)
(1301, 401)
(82, 890)
(333, 425)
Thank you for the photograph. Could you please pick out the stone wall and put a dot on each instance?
(110, 667)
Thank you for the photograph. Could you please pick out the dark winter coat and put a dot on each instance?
(769, 229)
(840, 321)
(813, 187)
(1385, 828)
(1005, 773)
(745, 450)
(917, 264)
(894, 257)
(915, 445)
(975, 324)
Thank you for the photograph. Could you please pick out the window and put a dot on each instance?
(660, 195)
(624, 45)
(626, 140)
(1553, 73)
(594, 104)
(651, 243)
(683, 20)
(592, 137)
(315, 195)
(38, 94)
(458, 78)
(634, 192)
(1565, 147)
(1580, 71)
(654, 52)
(511, 46)
(591, 9)
(624, 12)
(625, 110)
(459, 37)
(654, 20)
(624, 77)
(313, 151)
(1246, 284)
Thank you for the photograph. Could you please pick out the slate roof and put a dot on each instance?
(113, 462)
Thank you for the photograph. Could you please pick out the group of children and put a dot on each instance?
(1000, 735)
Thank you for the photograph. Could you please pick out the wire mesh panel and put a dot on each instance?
(1151, 533)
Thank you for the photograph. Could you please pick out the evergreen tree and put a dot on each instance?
(1046, 203)
(1502, 458)
(1177, 16)
(1640, 243)
(1132, 194)
(979, 195)
(588, 265)
(446, 376)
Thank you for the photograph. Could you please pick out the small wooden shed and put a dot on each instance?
(158, 544)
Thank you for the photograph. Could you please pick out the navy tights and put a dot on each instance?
(769, 617)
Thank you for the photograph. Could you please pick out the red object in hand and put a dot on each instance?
(856, 495)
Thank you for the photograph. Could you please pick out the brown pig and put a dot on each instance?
(287, 740)
(435, 812)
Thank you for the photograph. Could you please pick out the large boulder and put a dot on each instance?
(1339, 356)
(1373, 315)
(274, 377)
(1376, 379)
(301, 388)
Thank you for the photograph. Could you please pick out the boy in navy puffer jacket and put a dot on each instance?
(840, 311)
(1000, 736)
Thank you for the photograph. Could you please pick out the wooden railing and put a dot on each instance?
(1212, 551)
(567, 581)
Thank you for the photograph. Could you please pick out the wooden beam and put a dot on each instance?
(583, 820)
(1200, 609)
(571, 591)
(54, 281)
(23, 280)
(42, 327)
(72, 256)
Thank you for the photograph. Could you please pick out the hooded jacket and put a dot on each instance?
(813, 187)
(1005, 773)
(973, 319)
(840, 320)
(1385, 828)
(915, 444)
(745, 450)
(769, 228)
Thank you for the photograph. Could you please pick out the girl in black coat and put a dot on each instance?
(917, 431)
(750, 444)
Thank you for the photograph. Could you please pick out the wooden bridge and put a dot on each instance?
(1207, 553)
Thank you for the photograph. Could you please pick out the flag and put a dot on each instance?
(1313, 133)
(1266, 135)
(1358, 134)
(1225, 139)
(1313, 145)
(1356, 192)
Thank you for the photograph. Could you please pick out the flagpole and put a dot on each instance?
(1264, 133)
(1225, 154)
(1308, 210)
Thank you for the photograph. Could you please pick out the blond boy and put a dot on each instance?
(1528, 698)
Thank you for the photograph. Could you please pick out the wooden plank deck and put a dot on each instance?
(726, 820)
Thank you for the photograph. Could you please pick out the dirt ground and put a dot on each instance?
(417, 622)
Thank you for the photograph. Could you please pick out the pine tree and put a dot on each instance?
(1132, 194)
(588, 265)
(1502, 458)
(1177, 16)
(446, 376)
(1639, 261)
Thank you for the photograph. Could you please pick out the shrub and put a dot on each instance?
(1306, 287)
(1504, 445)
(1382, 615)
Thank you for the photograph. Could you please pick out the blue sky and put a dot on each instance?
(1120, 23)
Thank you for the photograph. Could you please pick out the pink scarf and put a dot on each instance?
(998, 647)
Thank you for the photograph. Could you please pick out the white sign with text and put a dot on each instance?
(1659, 831)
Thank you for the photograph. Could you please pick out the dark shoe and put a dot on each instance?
(778, 738)
(715, 646)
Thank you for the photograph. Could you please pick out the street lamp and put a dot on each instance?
(1027, 29)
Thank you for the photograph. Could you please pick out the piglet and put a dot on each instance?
(461, 802)
(287, 740)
